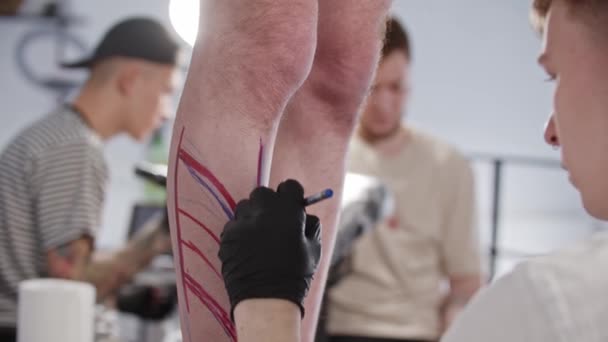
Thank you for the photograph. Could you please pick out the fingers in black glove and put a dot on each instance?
(271, 249)
(291, 189)
(313, 227)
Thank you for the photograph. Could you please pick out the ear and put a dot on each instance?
(127, 78)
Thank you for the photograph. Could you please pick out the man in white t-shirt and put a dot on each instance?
(395, 290)
(561, 298)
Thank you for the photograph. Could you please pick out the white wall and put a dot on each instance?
(476, 78)
(476, 84)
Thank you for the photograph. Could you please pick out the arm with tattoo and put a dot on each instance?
(78, 261)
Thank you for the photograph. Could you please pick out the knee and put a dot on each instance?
(344, 66)
(343, 78)
(270, 43)
(285, 52)
(340, 82)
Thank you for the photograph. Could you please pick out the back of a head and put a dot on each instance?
(133, 73)
(131, 40)
(396, 39)
(132, 45)
(103, 72)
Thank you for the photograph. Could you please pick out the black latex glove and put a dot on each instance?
(272, 248)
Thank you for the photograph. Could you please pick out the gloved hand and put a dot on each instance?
(271, 249)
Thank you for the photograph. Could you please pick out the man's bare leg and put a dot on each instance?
(250, 58)
(313, 136)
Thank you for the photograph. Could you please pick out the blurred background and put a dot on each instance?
(476, 85)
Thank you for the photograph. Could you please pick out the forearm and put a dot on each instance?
(267, 320)
(104, 273)
(109, 274)
(457, 300)
(108, 271)
(144, 247)
(462, 289)
(453, 306)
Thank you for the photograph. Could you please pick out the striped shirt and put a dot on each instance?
(52, 185)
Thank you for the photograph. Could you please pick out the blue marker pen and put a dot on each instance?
(316, 198)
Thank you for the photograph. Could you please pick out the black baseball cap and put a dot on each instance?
(141, 38)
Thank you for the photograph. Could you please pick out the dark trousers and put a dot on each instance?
(8, 334)
(367, 339)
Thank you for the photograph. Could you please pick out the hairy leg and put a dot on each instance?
(315, 130)
(250, 58)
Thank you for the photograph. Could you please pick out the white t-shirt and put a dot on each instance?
(394, 287)
(558, 298)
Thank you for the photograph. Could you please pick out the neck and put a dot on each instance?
(390, 144)
(98, 112)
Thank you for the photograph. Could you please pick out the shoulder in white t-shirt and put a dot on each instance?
(558, 298)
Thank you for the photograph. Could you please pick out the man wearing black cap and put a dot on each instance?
(53, 174)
